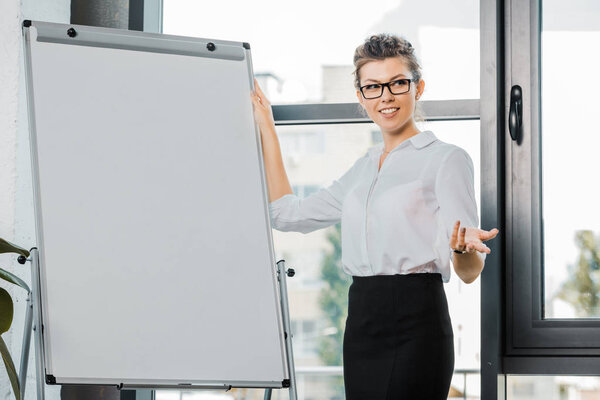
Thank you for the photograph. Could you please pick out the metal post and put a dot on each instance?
(25, 345)
(37, 326)
(268, 392)
(281, 272)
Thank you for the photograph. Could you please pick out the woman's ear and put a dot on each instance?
(420, 88)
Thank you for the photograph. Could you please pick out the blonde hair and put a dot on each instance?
(382, 46)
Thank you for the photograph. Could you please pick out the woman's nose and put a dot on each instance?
(387, 93)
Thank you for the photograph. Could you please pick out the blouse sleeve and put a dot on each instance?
(455, 193)
(318, 210)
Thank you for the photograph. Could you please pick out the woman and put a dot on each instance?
(401, 206)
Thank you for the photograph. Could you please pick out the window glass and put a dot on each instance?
(304, 50)
(531, 387)
(570, 141)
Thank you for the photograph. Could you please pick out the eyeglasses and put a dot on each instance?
(375, 90)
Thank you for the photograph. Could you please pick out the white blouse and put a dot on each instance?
(397, 220)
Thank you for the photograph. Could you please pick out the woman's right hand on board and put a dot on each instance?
(263, 114)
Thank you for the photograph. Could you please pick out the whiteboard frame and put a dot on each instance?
(158, 43)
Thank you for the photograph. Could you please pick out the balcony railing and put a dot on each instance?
(338, 371)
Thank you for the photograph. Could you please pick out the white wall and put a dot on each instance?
(16, 197)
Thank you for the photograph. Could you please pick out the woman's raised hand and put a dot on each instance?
(263, 114)
(471, 239)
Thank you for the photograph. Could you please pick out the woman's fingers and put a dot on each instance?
(461, 240)
(263, 113)
(480, 247)
(454, 237)
(477, 246)
(255, 102)
(256, 93)
(257, 90)
(256, 99)
(489, 234)
(261, 96)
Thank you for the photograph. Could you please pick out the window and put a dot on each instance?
(552, 283)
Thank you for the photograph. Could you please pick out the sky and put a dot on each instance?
(295, 39)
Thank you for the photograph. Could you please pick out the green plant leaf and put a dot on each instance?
(6, 311)
(10, 368)
(12, 278)
(8, 247)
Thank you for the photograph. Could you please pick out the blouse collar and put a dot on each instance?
(418, 141)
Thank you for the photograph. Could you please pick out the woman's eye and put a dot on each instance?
(372, 86)
(399, 82)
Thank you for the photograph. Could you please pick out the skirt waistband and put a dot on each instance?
(372, 279)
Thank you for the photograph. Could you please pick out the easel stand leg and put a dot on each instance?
(268, 394)
(281, 276)
(37, 324)
(25, 346)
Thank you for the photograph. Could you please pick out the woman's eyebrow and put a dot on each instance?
(395, 76)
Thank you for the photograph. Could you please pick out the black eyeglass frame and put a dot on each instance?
(387, 84)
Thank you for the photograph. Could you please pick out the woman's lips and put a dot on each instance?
(389, 115)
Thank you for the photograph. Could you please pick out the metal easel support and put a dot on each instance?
(281, 277)
(26, 332)
(35, 314)
(25, 345)
(32, 312)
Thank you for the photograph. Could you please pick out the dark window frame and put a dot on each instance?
(533, 345)
(348, 113)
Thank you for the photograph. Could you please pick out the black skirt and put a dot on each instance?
(398, 341)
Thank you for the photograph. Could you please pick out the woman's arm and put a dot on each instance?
(469, 264)
(278, 184)
(289, 212)
(277, 180)
(456, 196)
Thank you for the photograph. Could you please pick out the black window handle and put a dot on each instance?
(515, 115)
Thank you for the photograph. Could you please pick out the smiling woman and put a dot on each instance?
(385, 61)
(401, 224)
(390, 105)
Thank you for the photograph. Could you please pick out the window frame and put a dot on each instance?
(533, 345)
(348, 113)
(492, 117)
